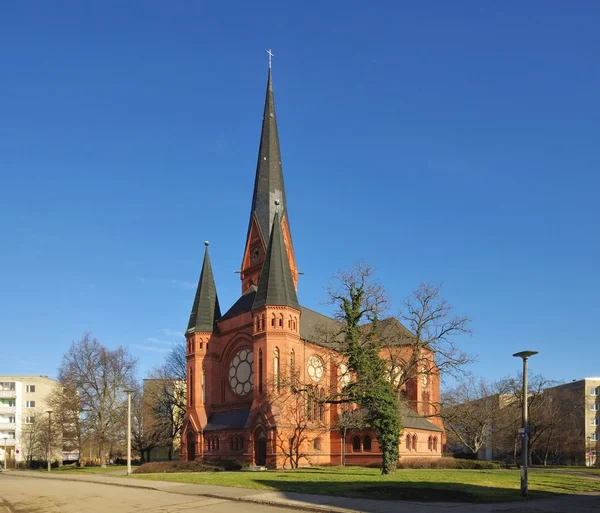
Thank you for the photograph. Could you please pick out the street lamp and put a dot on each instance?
(5, 464)
(129, 392)
(49, 412)
(525, 430)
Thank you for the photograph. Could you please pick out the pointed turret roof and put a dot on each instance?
(205, 310)
(268, 183)
(276, 286)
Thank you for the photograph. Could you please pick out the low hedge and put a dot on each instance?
(448, 463)
(161, 467)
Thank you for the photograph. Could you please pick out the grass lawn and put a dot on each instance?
(421, 485)
(88, 470)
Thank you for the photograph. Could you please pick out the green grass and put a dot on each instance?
(421, 485)
(70, 469)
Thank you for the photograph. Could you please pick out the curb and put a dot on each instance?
(265, 502)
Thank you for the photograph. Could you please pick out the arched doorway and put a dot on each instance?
(260, 449)
(191, 446)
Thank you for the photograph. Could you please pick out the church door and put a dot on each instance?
(191, 446)
(260, 449)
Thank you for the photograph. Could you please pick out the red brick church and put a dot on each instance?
(239, 363)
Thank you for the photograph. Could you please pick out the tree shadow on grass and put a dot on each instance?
(399, 491)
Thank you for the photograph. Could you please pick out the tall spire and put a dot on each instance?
(205, 310)
(268, 188)
(276, 285)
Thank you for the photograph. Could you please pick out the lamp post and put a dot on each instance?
(525, 430)
(128, 392)
(5, 459)
(48, 451)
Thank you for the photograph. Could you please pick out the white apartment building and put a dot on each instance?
(20, 398)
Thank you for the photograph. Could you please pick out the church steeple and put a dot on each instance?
(268, 188)
(276, 284)
(205, 310)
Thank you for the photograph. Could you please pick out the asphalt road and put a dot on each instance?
(31, 495)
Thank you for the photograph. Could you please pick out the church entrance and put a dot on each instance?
(260, 449)
(191, 446)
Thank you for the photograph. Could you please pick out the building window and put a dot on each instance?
(367, 443)
(594, 437)
(30, 388)
(414, 442)
(435, 443)
(430, 443)
(203, 387)
(276, 369)
(29, 404)
(321, 405)
(309, 407)
(260, 369)
(408, 442)
(593, 422)
(356, 443)
(593, 391)
(11, 420)
(317, 444)
(292, 364)
(29, 420)
(593, 407)
(191, 394)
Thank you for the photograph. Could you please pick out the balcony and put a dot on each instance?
(8, 393)
(9, 442)
(8, 409)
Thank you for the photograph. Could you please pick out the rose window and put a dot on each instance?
(315, 368)
(241, 373)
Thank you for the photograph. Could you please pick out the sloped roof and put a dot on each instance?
(276, 285)
(205, 309)
(223, 420)
(243, 304)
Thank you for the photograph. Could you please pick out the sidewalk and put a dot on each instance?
(589, 503)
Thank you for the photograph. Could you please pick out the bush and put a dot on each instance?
(187, 466)
(448, 463)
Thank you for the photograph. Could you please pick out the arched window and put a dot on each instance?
(272, 320)
(295, 323)
(191, 391)
(217, 443)
(315, 406)
(430, 443)
(262, 322)
(309, 407)
(292, 364)
(276, 369)
(317, 444)
(408, 442)
(260, 371)
(435, 443)
(367, 443)
(414, 442)
(231, 441)
(240, 443)
(203, 387)
(321, 405)
(256, 323)
(356, 443)
(290, 322)
(281, 320)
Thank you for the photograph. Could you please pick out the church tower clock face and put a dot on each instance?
(241, 374)
(315, 368)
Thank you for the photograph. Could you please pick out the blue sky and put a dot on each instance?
(443, 141)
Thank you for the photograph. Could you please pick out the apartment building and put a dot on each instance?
(586, 392)
(21, 398)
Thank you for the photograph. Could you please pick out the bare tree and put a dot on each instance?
(99, 377)
(471, 409)
(64, 401)
(165, 396)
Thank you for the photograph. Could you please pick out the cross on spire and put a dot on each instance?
(271, 54)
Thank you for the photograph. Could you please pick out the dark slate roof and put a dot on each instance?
(412, 420)
(328, 332)
(205, 310)
(234, 419)
(276, 285)
(268, 183)
(243, 304)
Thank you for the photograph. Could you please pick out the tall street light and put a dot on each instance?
(128, 392)
(5, 464)
(525, 430)
(49, 412)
